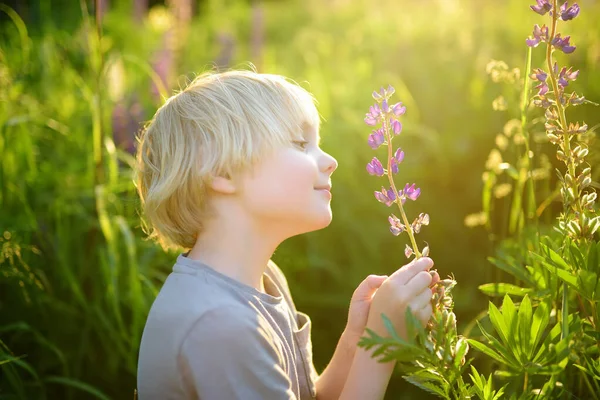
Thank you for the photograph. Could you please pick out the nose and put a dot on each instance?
(327, 163)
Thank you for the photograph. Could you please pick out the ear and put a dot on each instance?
(223, 185)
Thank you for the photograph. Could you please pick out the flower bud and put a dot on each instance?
(574, 228)
(460, 351)
(553, 138)
(425, 251)
(587, 181)
(582, 153)
(560, 155)
(568, 179)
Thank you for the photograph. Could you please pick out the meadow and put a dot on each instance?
(78, 81)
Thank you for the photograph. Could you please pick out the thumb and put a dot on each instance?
(368, 287)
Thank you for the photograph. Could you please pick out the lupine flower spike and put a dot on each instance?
(386, 114)
(444, 348)
(578, 219)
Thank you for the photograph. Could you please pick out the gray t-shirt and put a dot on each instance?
(211, 337)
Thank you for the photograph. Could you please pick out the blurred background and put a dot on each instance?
(79, 78)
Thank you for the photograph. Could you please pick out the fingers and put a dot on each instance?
(417, 284)
(407, 272)
(424, 314)
(421, 300)
(368, 287)
(435, 278)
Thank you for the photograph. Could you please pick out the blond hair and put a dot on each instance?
(219, 125)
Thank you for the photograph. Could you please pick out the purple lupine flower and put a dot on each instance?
(386, 196)
(399, 155)
(412, 192)
(543, 87)
(396, 226)
(398, 109)
(395, 167)
(567, 75)
(376, 139)
(540, 34)
(396, 126)
(375, 167)
(567, 14)
(408, 251)
(539, 75)
(373, 115)
(384, 106)
(563, 44)
(542, 7)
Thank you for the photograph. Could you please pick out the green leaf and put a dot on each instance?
(425, 385)
(525, 315)
(502, 289)
(497, 321)
(510, 318)
(77, 385)
(562, 274)
(593, 257)
(555, 257)
(588, 284)
(515, 269)
(486, 350)
(540, 322)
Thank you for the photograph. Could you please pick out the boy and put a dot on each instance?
(228, 169)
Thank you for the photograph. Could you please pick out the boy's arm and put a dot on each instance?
(353, 374)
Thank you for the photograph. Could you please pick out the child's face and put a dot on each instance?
(285, 191)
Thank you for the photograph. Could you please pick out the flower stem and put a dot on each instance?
(398, 201)
(561, 109)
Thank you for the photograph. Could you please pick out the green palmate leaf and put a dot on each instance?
(514, 269)
(498, 322)
(427, 386)
(504, 351)
(502, 289)
(525, 316)
(540, 321)
(510, 319)
(487, 350)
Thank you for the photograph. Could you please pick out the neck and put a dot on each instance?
(236, 248)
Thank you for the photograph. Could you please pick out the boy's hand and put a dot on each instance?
(407, 287)
(359, 307)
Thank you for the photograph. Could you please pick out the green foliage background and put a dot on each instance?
(77, 277)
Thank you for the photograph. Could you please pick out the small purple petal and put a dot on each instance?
(572, 12)
(408, 251)
(568, 49)
(399, 155)
(394, 166)
(396, 126)
(572, 75)
(543, 87)
(384, 106)
(532, 42)
(375, 167)
(563, 82)
(398, 109)
(369, 120)
(376, 139)
(542, 7)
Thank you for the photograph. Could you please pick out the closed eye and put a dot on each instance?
(300, 143)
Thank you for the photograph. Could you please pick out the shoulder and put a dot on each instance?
(233, 330)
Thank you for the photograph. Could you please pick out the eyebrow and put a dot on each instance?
(310, 132)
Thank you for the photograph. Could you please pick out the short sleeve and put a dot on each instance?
(233, 355)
